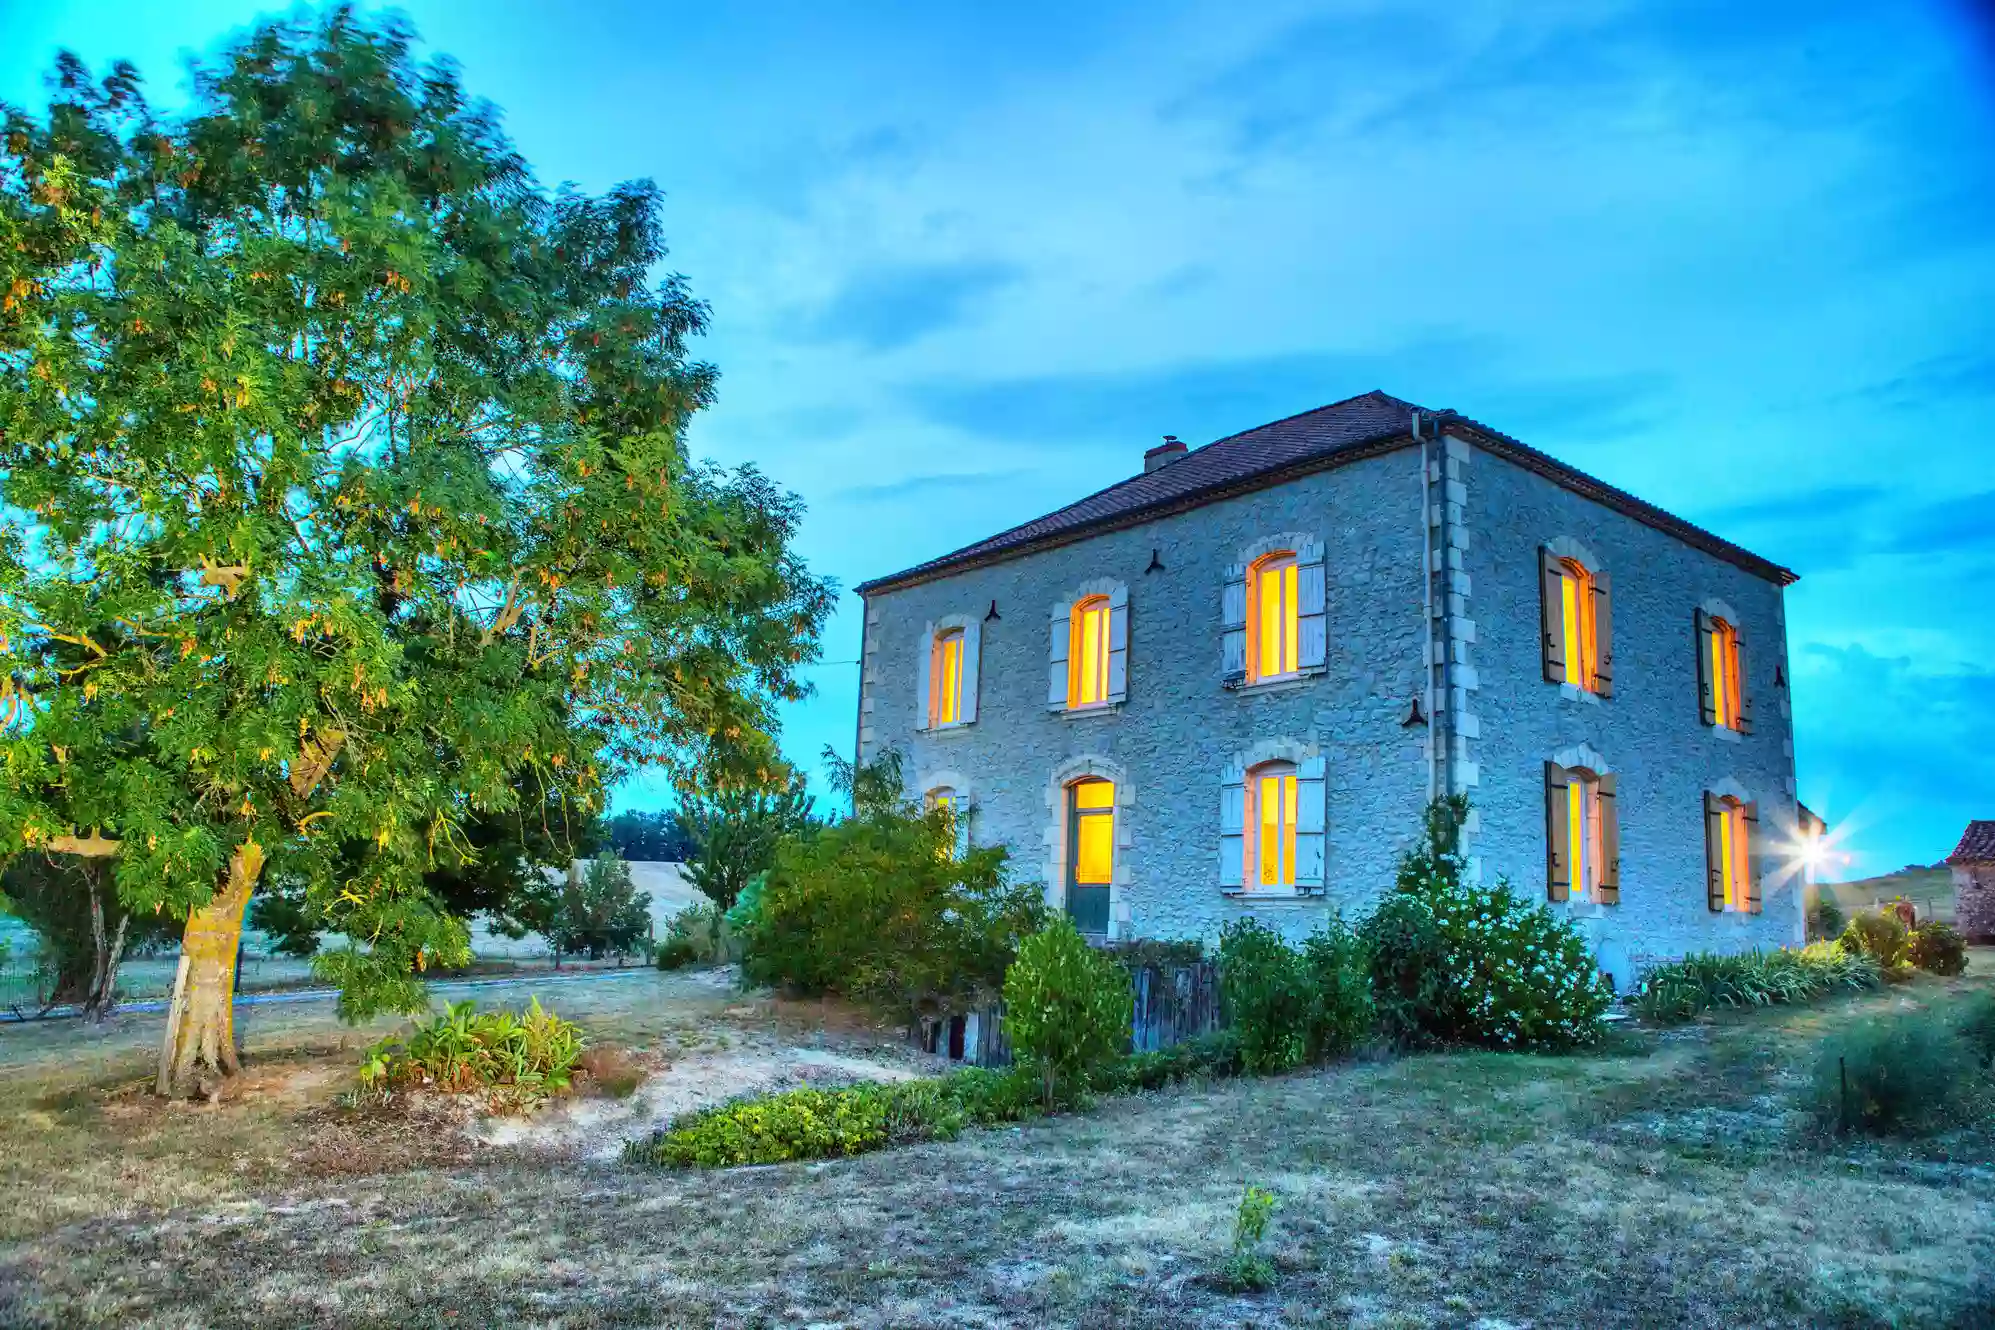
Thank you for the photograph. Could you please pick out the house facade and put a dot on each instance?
(1973, 868)
(1229, 685)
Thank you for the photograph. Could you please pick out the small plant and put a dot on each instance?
(1265, 991)
(696, 935)
(1248, 1268)
(1977, 1027)
(1879, 934)
(1067, 1009)
(1892, 1075)
(1685, 989)
(515, 1060)
(1825, 919)
(1937, 948)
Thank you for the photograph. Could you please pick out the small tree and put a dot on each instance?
(1067, 1008)
(735, 832)
(600, 912)
(84, 931)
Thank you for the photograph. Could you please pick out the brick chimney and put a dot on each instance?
(1165, 453)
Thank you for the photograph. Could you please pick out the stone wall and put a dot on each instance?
(1974, 900)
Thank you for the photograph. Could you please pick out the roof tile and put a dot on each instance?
(1977, 844)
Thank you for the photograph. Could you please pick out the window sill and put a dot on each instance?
(1270, 894)
(1092, 709)
(1283, 684)
(945, 731)
(1725, 732)
(1572, 692)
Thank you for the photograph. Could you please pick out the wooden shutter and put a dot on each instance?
(973, 649)
(1558, 833)
(1056, 658)
(1745, 693)
(1118, 644)
(1751, 856)
(1603, 634)
(1311, 602)
(1714, 851)
(1608, 888)
(1551, 614)
(925, 716)
(1707, 694)
(1232, 827)
(1311, 822)
(1233, 623)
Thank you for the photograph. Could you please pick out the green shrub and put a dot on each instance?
(1476, 964)
(1208, 1057)
(1247, 1268)
(1898, 1074)
(1684, 989)
(1264, 991)
(1937, 948)
(516, 1060)
(1825, 919)
(880, 908)
(1879, 934)
(1067, 1009)
(696, 935)
(1341, 1012)
(737, 832)
(600, 913)
(1977, 1026)
(849, 1120)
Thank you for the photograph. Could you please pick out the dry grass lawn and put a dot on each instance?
(1661, 1181)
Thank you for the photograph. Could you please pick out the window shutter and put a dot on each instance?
(1608, 889)
(1311, 822)
(1232, 827)
(1551, 615)
(1056, 660)
(1118, 644)
(1233, 619)
(1752, 857)
(1558, 833)
(925, 717)
(1707, 696)
(1603, 634)
(1745, 692)
(1311, 595)
(973, 649)
(1714, 851)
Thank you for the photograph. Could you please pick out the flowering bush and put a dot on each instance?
(1481, 965)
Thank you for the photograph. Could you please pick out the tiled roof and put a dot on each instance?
(1977, 845)
(1343, 431)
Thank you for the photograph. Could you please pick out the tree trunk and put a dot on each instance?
(199, 1054)
(104, 996)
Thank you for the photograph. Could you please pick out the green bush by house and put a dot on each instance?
(1937, 948)
(1067, 1009)
(1702, 981)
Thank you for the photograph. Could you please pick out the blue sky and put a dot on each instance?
(967, 262)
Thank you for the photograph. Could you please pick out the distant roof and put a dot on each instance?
(1329, 436)
(1977, 845)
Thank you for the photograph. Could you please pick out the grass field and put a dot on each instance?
(1663, 1180)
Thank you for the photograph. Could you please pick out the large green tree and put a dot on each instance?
(344, 478)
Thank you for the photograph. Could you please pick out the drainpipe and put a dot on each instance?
(859, 726)
(1427, 598)
(1440, 720)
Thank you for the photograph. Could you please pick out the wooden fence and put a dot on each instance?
(1173, 1003)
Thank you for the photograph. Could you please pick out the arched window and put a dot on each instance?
(1271, 819)
(1729, 826)
(1576, 606)
(1273, 617)
(1087, 654)
(1578, 621)
(945, 690)
(1090, 852)
(1582, 835)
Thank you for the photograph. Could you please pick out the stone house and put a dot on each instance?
(1228, 685)
(1973, 865)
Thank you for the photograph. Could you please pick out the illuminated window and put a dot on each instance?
(1723, 674)
(1583, 835)
(1576, 616)
(946, 799)
(1087, 655)
(1273, 620)
(1732, 855)
(945, 691)
(1090, 852)
(1271, 817)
